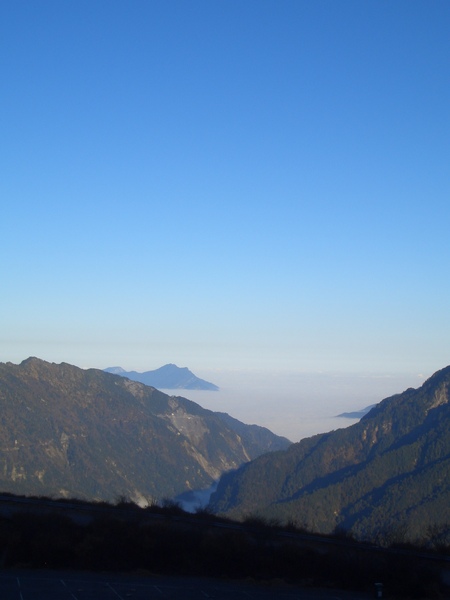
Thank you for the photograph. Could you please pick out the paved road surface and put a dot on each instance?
(52, 585)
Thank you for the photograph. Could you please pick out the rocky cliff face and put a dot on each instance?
(70, 432)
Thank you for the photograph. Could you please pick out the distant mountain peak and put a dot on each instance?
(115, 370)
(167, 377)
(357, 414)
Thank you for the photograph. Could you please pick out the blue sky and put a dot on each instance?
(228, 184)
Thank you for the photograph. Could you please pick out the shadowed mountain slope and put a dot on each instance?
(388, 472)
(70, 432)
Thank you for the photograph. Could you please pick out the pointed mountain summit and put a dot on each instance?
(389, 471)
(169, 377)
(115, 370)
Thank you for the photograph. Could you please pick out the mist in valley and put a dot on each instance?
(295, 404)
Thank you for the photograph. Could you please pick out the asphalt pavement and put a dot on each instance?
(56, 585)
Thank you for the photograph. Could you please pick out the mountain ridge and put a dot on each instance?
(389, 469)
(71, 432)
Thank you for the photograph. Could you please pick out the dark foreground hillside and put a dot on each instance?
(389, 472)
(41, 533)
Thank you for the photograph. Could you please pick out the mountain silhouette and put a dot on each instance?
(168, 377)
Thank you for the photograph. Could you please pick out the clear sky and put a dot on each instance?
(238, 184)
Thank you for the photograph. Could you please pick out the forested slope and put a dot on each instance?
(388, 472)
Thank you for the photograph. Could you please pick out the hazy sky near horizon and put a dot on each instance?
(232, 184)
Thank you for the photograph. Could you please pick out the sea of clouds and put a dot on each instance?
(296, 405)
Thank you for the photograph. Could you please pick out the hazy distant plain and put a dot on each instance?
(296, 405)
